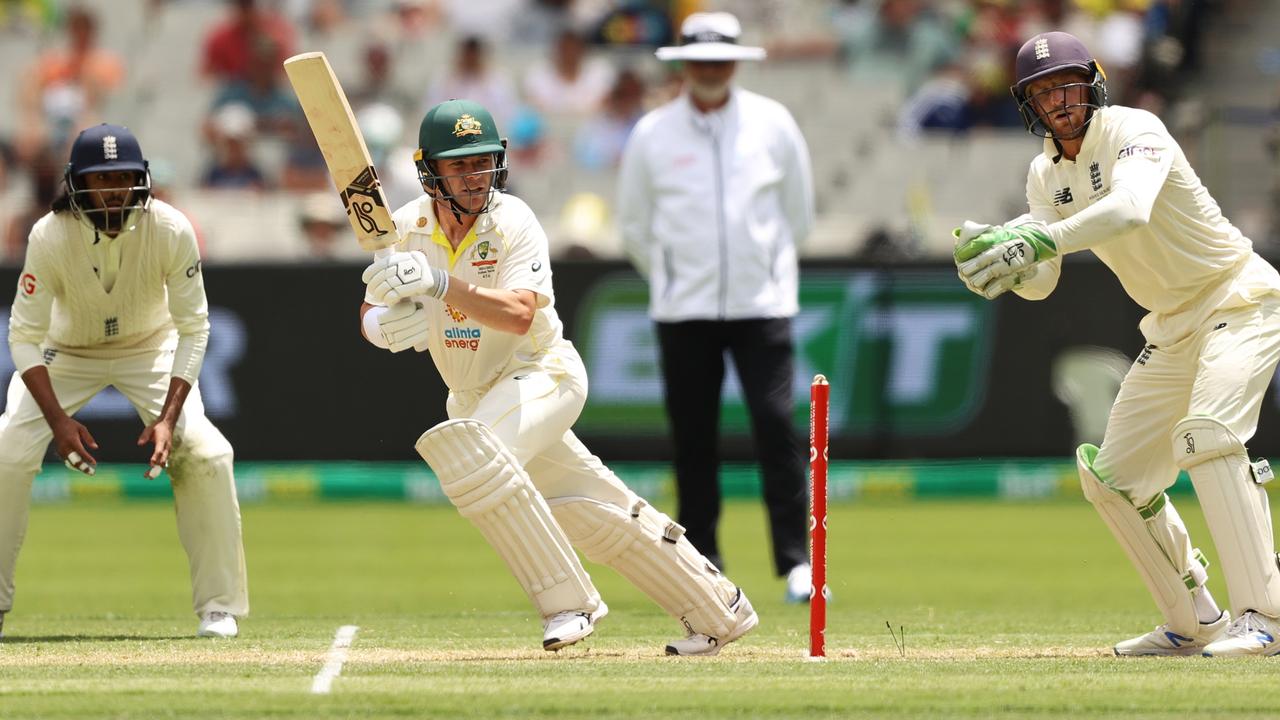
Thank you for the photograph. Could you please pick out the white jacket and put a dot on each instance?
(713, 205)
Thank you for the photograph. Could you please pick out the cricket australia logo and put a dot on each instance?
(1095, 176)
(109, 151)
(1042, 48)
(1063, 196)
(483, 250)
(467, 125)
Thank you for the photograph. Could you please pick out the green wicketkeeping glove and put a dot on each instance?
(994, 260)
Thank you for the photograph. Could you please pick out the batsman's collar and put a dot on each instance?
(710, 37)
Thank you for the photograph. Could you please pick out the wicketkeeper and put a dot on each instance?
(1112, 180)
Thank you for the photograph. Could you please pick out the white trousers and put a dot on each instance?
(200, 470)
(1222, 371)
(532, 410)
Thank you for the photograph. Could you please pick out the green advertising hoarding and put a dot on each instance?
(905, 352)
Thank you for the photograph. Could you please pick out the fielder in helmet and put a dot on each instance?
(1113, 180)
(112, 294)
(107, 181)
(470, 281)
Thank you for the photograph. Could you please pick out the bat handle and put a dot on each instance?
(379, 254)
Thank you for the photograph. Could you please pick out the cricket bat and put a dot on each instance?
(334, 126)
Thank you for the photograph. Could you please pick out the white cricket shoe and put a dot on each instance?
(799, 584)
(218, 624)
(1163, 641)
(698, 644)
(1251, 634)
(566, 628)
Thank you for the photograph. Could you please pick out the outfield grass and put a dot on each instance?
(1009, 611)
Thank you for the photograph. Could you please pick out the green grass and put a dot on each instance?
(1008, 609)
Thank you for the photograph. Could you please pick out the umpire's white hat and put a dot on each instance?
(710, 37)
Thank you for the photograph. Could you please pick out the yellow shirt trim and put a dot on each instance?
(438, 237)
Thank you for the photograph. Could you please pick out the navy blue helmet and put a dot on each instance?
(107, 148)
(1048, 53)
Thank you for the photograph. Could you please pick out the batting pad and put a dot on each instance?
(483, 480)
(651, 551)
(1235, 508)
(1156, 541)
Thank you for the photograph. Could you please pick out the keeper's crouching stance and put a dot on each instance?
(112, 295)
(470, 280)
(1112, 180)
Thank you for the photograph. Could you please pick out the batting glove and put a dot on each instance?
(404, 325)
(402, 275)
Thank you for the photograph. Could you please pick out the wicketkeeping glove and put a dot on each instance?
(404, 325)
(402, 275)
(993, 260)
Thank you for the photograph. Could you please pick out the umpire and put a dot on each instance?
(714, 195)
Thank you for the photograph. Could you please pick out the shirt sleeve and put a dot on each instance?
(188, 305)
(1045, 280)
(797, 186)
(635, 203)
(32, 307)
(526, 264)
(1140, 169)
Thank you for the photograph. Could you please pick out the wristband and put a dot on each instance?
(372, 328)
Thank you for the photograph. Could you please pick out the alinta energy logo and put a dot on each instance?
(462, 338)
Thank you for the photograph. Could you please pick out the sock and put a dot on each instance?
(1206, 609)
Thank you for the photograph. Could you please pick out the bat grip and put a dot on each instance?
(379, 254)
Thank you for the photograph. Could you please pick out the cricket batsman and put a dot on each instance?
(111, 293)
(1112, 180)
(474, 262)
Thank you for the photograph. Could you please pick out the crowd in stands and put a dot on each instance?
(565, 79)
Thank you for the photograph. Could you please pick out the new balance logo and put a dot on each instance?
(1063, 196)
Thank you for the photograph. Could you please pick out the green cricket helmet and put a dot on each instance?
(454, 129)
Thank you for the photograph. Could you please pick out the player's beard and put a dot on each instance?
(709, 93)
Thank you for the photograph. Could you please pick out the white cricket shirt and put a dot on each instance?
(158, 288)
(1131, 197)
(505, 249)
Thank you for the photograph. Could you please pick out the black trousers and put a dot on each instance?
(693, 357)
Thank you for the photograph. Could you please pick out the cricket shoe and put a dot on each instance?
(1163, 641)
(799, 584)
(218, 624)
(1251, 634)
(566, 628)
(700, 645)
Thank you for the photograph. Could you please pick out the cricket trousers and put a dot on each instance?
(200, 470)
(693, 369)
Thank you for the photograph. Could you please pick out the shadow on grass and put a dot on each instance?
(34, 639)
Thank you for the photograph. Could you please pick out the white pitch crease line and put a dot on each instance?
(334, 659)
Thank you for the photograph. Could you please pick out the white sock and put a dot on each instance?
(1206, 609)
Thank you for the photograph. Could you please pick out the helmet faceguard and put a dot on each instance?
(435, 186)
(91, 204)
(1050, 53)
(457, 129)
(107, 149)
